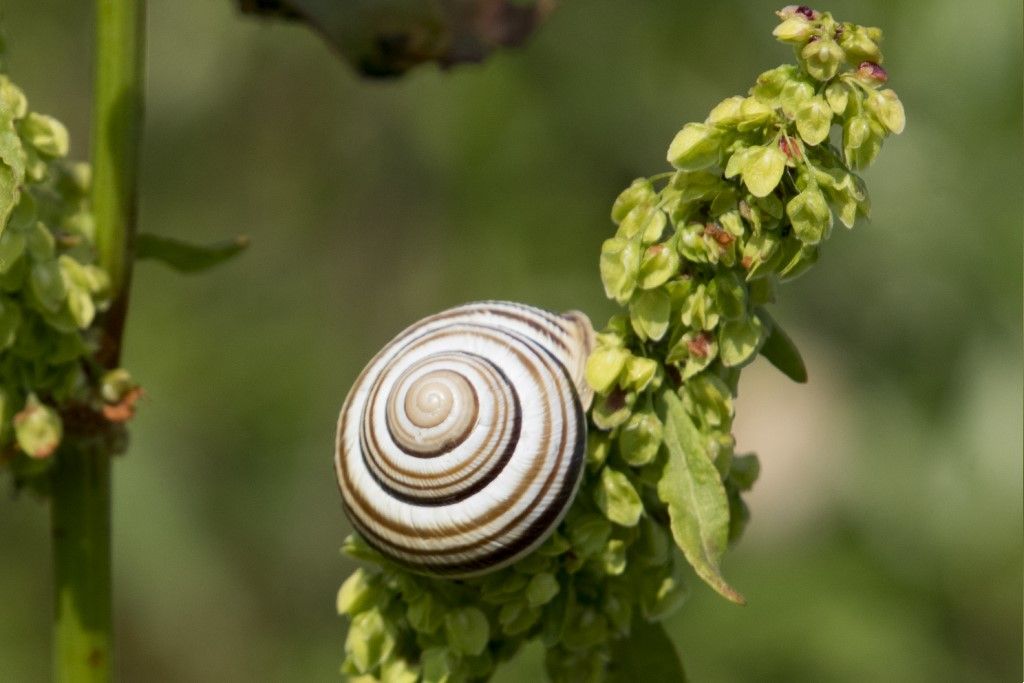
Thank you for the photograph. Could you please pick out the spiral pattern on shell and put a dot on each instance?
(461, 445)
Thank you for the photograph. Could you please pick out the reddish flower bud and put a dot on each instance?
(790, 147)
(872, 72)
(715, 232)
(699, 345)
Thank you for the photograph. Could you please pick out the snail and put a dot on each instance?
(461, 445)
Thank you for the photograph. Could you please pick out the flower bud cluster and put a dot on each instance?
(50, 287)
(694, 261)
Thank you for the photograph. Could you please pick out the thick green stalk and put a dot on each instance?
(81, 559)
(117, 128)
(81, 479)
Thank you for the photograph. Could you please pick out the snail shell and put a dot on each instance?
(461, 444)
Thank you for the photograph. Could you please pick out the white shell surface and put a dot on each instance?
(461, 444)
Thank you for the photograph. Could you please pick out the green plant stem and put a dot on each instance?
(81, 560)
(117, 128)
(81, 500)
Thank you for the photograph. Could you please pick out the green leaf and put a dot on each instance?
(744, 471)
(696, 146)
(648, 312)
(697, 504)
(467, 630)
(646, 655)
(781, 352)
(617, 499)
(762, 169)
(185, 257)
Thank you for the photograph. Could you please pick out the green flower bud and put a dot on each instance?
(357, 594)
(425, 613)
(640, 191)
(838, 96)
(700, 310)
(13, 103)
(730, 295)
(640, 373)
(613, 559)
(612, 410)
(370, 640)
(398, 671)
(701, 350)
(617, 499)
(769, 84)
(662, 596)
(643, 219)
(12, 247)
(762, 169)
(821, 58)
(620, 266)
(739, 340)
(754, 114)
(794, 94)
(640, 438)
(886, 106)
(467, 630)
(517, 617)
(709, 400)
(795, 30)
(438, 665)
(588, 534)
(696, 146)
(38, 429)
(659, 263)
(46, 134)
(813, 120)
(502, 586)
(690, 243)
(648, 312)
(542, 589)
(858, 45)
(726, 113)
(587, 629)
(598, 447)
(810, 215)
(10, 321)
(604, 367)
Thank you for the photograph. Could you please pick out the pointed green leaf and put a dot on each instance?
(185, 257)
(697, 504)
(646, 655)
(781, 352)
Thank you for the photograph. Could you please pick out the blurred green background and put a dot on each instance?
(886, 541)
